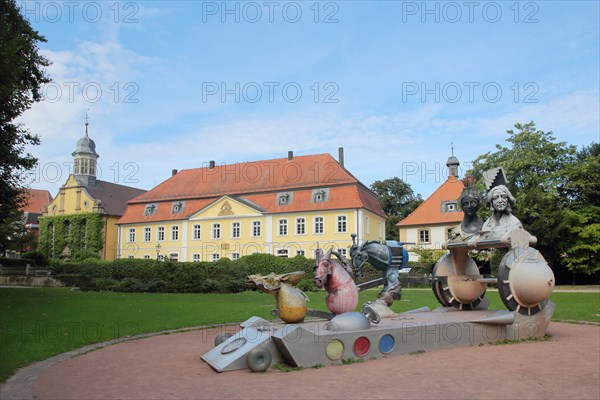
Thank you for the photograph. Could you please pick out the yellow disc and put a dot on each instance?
(334, 350)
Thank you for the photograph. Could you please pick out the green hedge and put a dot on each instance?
(135, 275)
(17, 262)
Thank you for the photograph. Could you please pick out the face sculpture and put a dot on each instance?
(469, 205)
(500, 200)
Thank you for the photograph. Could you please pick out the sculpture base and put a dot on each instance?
(317, 342)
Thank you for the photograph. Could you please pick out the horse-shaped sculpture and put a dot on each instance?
(342, 292)
(387, 259)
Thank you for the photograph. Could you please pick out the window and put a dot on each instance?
(450, 207)
(235, 256)
(424, 236)
(342, 224)
(283, 227)
(146, 257)
(449, 233)
(319, 225)
(196, 257)
(177, 207)
(147, 234)
(319, 195)
(283, 199)
(160, 233)
(196, 232)
(300, 252)
(343, 252)
(215, 257)
(173, 256)
(216, 231)
(150, 209)
(131, 235)
(282, 253)
(174, 233)
(256, 228)
(235, 229)
(130, 256)
(300, 226)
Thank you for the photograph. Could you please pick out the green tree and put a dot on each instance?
(581, 193)
(535, 165)
(22, 74)
(397, 200)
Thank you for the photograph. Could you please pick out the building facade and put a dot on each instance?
(285, 207)
(82, 219)
(429, 224)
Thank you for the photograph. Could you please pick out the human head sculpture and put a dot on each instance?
(500, 200)
(469, 201)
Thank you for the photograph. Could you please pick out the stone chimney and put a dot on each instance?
(211, 165)
(290, 155)
(173, 172)
(341, 156)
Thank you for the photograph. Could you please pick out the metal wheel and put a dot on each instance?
(259, 359)
(452, 282)
(221, 337)
(524, 281)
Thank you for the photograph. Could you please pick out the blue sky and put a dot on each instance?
(174, 84)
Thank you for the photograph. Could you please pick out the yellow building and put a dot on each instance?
(81, 220)
(284, 207)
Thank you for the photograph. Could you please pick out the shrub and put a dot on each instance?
(39, 258)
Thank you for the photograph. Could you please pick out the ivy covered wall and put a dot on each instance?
(82, 233)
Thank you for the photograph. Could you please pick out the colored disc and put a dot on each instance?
(386, 344)
(361, 346)
(334, 350)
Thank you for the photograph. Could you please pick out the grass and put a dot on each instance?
(38, 323)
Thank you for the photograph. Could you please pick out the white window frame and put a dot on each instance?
(197, 232)
(174, 232)
(420, 236)
(160, 234)
(216, 257)
(147, 233)
(131, 235)
(236, 229)
(235, 256)
(282, 227)
(285, 253)
(146, 257)
(215, 231)
(256, 227)
(196, 257)
(300, 223)
(320, 224)
(341, 219)
(300, 252)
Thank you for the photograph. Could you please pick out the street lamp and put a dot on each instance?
(157, 251)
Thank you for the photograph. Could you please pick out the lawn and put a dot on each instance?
(38, 323)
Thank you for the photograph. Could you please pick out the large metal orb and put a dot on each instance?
(525, 281)
(455, 285)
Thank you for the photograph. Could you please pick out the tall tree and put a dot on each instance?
(397, 200)
(581, 193)
(22, 74)
(535, 165)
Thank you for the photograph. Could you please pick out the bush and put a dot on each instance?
(39, 258)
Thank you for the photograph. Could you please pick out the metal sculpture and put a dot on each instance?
(336, 278)
(291, 301)
(525, 281)
(387, 259)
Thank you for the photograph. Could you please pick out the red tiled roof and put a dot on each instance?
(258, 183)
(430, 211)
(250, 177)
(37, 200)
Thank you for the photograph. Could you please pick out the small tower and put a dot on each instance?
(84, 158)
(452, 164)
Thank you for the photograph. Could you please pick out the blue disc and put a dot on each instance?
(386, 344)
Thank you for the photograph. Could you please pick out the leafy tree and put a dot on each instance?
(581, 192)
(397, 200)
(554, 195)
(21, 75)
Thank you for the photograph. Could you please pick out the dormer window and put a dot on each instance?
(449, 206)
(283, 199)
(177, 207)
(150, 209)
(320, 195)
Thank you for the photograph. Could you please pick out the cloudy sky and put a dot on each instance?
(174, 84)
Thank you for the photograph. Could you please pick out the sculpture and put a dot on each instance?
(386, 259)
(342, 292)
(471, 223)
(502, 220)
(291, 301)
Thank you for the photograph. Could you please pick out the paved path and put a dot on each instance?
(169, 367)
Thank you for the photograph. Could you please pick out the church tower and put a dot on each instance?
(452, 164)
(84, 158)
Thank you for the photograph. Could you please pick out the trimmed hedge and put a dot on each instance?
(135, 275)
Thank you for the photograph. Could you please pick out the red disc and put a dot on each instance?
(361, 346)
